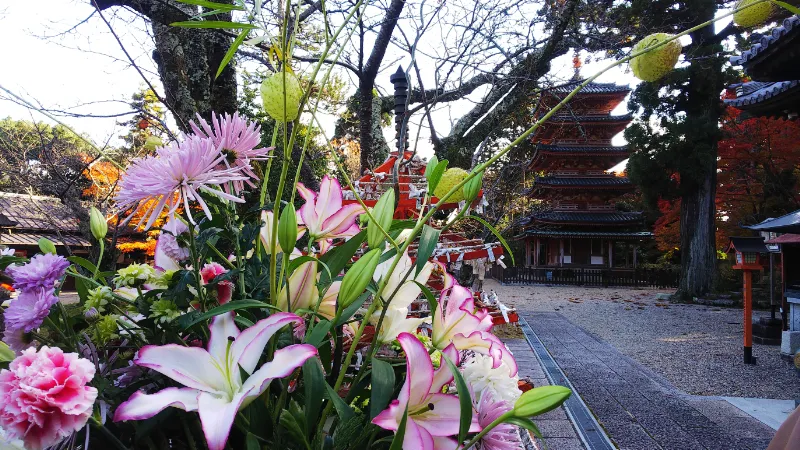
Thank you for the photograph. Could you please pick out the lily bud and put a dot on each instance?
(356, 279)
(273, 92)
(383, 214)
(653, 65)
(473, 187)
(540, 400)
(47, 246)
(287, 227)
(152, 143)
(97, 224)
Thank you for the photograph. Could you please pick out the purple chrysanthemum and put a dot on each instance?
(41, 272)
(175, 176)
(17, 340)
(238, 140)
(29, 309)
(502, 437)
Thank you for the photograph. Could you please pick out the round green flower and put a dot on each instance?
(106, 329)
(134, 275)
(272, 96)
(450, 178)
(98, 298)
(164, 311)
(655, 64)
(752, 16)
(162, 279)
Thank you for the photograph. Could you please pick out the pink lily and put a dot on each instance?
(323, 214)
(456, 314)
(432, 416)
(212, 378)
(488, 344)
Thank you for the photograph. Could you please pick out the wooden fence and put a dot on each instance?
(649, 278)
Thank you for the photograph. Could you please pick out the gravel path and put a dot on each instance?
(697, 348)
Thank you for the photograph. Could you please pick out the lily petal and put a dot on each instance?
(487, 344)
(302, 288)
(190, 366)
(142, 406)
(443, 419)
(443, 375)
(328, 306)
(444, 443)
(417, 437)
(419, 375)
(217, 415)
(342, 221)
(389, 418)
(222, 328)
(329, 199)
(286, 360)
(247, 348)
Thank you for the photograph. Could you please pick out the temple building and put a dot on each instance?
(582, 226)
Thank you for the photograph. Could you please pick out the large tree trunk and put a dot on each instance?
(698, 208)
(187, 59)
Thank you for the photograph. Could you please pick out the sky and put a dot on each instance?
(54, 57)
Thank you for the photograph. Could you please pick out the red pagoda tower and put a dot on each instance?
(582, 227)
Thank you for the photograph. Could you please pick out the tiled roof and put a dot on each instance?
(790, 223)
(581, 149)
(606, 181)
(754, 92)
(591, 234)
(790, 26)
(24, 238)
(568, 118)
(591, 88)
(588, 217)
(34, 212)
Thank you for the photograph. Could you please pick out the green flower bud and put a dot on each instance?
(540, 400)
(473, 187)
(273, 92)
(655, 64)
(287, 228)
(47, 246)
(97, 224)
(383, 214)
(356, 279)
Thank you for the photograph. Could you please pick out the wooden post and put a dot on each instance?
(536, 252)
(610, 254)
(561, 252)
(748, 317)
(635, 251)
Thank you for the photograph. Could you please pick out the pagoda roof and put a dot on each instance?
(609, 150)
(587, 119)
(790, 223)
(773, 56)
(604, 218)
(592, 88)
(766, 98)
(589, 234)
(609, 181)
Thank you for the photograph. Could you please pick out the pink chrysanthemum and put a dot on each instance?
(29, 309)
(238, 140)
(502, 437)
(44, 396)
(175, 176)
(41, 272)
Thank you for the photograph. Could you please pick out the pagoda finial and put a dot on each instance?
(400, 82)
(576, 65)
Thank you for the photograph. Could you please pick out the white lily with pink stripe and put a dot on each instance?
(323, 214)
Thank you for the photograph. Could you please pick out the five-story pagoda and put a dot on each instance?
(582, 226)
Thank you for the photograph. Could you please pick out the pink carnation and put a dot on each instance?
(44, 396)
(224, 288)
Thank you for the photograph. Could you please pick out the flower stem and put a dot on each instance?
(99, 258)
(107, 434)
(498, 421)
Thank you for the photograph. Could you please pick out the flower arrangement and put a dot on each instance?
(262, 325)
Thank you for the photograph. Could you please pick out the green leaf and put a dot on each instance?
(291, 426)
(436, 176)
(350, 310)
(252, 442)
(338, 257)
(212, 5)
(792, 9)
(400, 434)
(540, 400)
(6, 261)
(464, 400)
(344, 411)
(231, 51)
(382, 386)
(218, 24)
(433, 304)
(427, 243)
(524, 422)
(190, 319)
(497, 235)
(47, 246)
(85, 263)
(317, 336)
(313, 381)
(83, 290)
(6, 354)
(431, 167)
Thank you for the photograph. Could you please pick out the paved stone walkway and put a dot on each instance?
(638, 408)
(555, 426)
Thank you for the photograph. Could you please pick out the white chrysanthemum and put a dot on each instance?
(479, 374)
